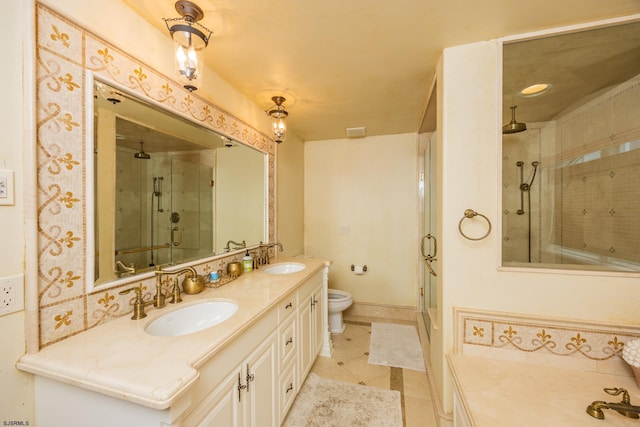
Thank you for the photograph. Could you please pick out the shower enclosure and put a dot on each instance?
(429, 242)
(570, 187)
(168, 208)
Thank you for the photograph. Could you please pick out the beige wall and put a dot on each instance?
(470, 156)
(16, 393)
(290, 196)
(361, 200)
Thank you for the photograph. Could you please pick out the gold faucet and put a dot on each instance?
(263, 259)
(122, 269)
(241, 245)
(624, 407)
(192, 284)
(159, 299)
(175, 293)
(138, 304)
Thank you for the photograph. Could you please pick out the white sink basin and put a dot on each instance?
(192, 318)
(285, 268)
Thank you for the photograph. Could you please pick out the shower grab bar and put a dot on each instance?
(136, 250)
(470, 213)
(428, 258)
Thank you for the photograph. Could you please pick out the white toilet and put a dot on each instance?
(339, 301)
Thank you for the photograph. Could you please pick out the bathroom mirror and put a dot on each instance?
(168, 191)
(571, 180)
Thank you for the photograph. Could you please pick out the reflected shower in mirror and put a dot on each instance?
(168, 191)
(570, 177)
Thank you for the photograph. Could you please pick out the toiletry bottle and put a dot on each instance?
(247, 263)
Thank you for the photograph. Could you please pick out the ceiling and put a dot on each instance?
(578, 65)
(370, 63)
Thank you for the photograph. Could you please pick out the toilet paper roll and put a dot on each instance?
(358, 269)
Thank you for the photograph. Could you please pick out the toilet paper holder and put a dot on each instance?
(353, 267)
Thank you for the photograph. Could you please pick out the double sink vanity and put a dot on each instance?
(228, 356)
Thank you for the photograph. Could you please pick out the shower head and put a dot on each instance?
(513, 126)
(141, 154)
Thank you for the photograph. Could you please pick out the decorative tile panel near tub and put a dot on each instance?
(66, 54)
(590, 346)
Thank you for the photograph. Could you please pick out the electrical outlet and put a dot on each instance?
(6, 187)
(11, 294)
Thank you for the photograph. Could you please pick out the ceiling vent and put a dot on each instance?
(356, 132)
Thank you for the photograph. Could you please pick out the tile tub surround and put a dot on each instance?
(591, 346)
(121, 360)
(515, 369)
(496, 393)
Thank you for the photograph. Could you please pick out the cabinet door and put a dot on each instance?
(260, 374)
(220, 408)
(306, 337)
(317, 310)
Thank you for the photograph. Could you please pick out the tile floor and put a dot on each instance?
(349, 363)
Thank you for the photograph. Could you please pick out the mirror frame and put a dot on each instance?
(67, 58)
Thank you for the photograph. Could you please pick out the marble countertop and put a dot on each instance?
(120, 359)
(499, 393)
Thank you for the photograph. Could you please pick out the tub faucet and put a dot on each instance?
(624, 407)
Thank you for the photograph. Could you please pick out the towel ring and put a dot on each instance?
(470, 213)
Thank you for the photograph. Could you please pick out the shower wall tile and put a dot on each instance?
(66, 52)
(590, 180)
(625, 109)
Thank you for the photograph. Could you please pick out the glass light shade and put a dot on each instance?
(189, 44)
(278, 121)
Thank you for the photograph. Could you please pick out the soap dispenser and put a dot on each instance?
(247, 263)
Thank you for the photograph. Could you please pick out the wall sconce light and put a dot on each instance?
(189, 39)
(278, 119)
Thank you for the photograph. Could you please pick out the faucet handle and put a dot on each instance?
(176, 293)
(136, 289)
(138, 304)
(614, 391)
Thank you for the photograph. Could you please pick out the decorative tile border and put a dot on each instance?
(543, 336)
(66, 54)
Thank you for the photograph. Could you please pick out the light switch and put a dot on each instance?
(6, 187)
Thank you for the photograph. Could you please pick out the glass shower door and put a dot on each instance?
(429, 246)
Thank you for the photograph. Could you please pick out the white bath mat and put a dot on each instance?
(396, 345)
(328, 403)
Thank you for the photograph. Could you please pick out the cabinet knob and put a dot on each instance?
(289, 341)
(289, 388)
(288, 305)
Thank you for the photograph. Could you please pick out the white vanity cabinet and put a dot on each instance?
(244, 374)
(311, 322)
(246, 396)
(288, 355)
